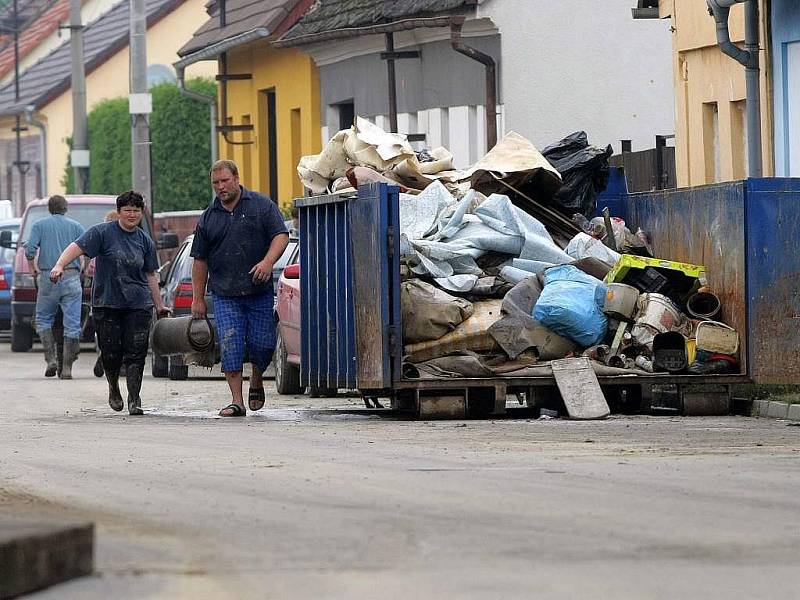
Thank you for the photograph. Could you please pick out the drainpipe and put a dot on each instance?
(456, 23)
(212, 109)
(720, 10)
(43, 137)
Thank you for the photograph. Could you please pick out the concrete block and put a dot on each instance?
(756, 411)
(36, 554)
(764, 411)
(794, 412)
(778, 410)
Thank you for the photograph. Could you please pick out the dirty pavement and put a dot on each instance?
(321, 498)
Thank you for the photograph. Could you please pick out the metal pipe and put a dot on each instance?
(392, 83)
(753, 85)
(456, 23)
(43, 137)
(720, 10)
(212, 106)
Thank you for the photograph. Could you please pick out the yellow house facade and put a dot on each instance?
(268, 97)
(284, 93)
(710, 121)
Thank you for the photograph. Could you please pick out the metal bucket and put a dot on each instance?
(621, 301)
(191, 338)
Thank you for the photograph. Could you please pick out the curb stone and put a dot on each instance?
(35, 554)
(794, 412)
(778, 410)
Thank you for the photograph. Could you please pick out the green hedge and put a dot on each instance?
(180, 152)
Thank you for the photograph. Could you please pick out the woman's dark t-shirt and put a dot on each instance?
(124, 258)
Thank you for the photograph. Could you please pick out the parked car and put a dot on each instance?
(88, 210)
(176, 290)
(7, 272)
(287, 346)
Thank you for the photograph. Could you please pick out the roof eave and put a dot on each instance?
(212, 51)
(350, 32)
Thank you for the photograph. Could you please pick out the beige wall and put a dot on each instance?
(110, 80)
(710, 97)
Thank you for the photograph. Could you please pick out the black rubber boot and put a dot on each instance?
(115, 400)
(72, 348)
(133, 377)
(49, 344)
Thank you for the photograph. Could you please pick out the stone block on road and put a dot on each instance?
(794, 412)
(37, 554)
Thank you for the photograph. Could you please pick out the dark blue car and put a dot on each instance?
(7, 273)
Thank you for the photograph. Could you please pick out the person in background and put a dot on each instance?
(50, 236)
(293, 224)
(124, 293)
(236, 243)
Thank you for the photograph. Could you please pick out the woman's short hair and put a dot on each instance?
(130, 198)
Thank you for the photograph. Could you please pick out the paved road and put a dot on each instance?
(308, 500)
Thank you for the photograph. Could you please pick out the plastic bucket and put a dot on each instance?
(669, 352)
(703, 305)
(658, 312)
(621, 301)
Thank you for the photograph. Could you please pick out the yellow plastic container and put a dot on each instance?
(691, 349)
(629, 261)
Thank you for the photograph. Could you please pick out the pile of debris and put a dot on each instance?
(503, 270)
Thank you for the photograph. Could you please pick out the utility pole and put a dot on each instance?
(22, 165)
(140, 105)
(79, 157)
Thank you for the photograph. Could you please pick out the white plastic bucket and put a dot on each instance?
(621, 301)
(658, 311)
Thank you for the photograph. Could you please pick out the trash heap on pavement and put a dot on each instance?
(504, 270)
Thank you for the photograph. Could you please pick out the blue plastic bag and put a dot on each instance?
(571, 304)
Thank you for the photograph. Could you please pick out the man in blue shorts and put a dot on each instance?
(236, 243)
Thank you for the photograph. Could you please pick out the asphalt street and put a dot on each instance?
(320, 498)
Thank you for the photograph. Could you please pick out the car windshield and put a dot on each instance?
(85, 214)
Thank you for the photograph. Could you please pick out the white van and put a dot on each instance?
(6, 210)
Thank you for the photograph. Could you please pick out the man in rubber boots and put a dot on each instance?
(50, 236)
(236, 243)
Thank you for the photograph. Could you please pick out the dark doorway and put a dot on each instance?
(272, 145)
(347, 114)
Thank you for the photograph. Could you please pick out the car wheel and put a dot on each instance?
(160, 366)
(21, 338)
(287, 376)
(178, 372)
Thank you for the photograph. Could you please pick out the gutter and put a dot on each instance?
(212, 108)
(29, 110)
(456, 23)
(214, 50)
(720, 10)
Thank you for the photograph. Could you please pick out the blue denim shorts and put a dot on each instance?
(244, 322)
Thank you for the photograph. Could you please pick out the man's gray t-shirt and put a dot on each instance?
(124, 258)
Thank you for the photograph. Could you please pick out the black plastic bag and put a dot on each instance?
(584, 173)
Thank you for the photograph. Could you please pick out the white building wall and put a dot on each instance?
(583, 64)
